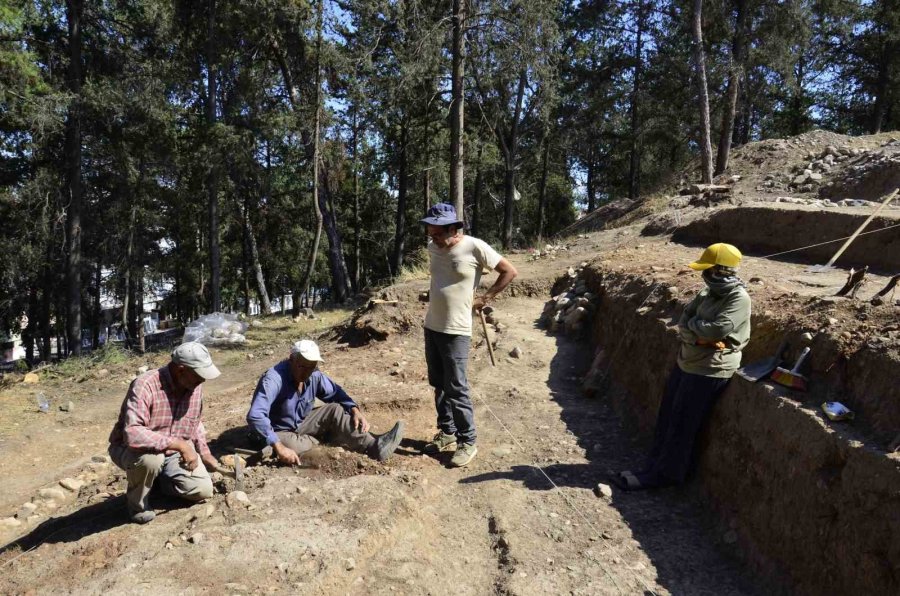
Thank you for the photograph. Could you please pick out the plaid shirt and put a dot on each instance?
(153, 413)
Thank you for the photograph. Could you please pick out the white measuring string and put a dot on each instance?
(778, 254)
(569, 502)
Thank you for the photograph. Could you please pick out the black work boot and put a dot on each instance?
(386, 444)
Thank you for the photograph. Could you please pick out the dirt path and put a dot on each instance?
(412, 526)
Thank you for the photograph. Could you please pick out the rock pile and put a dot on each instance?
(573, 309)
(809, 176)
(550, 252)
(872, 175)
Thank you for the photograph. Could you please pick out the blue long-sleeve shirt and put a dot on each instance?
(277, 405)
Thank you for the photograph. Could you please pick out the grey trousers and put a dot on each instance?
(328, 424)
(447, 357)
(143, 469)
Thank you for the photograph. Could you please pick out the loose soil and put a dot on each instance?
(524, 517)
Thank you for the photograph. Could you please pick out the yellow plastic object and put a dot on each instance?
(718, 254)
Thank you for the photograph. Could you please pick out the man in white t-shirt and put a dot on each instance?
(456, 265)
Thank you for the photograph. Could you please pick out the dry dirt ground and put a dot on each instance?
(523, 518)
(349, 525)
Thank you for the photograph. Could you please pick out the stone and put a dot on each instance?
(100, 459)
(831, 321)
(71, 484)
(68, 406)
(516, 352)
(350, 564)
(10, 523)
(604, 491)
(26, 510)
(52, 494)
(31, 378)
(196, 538)
(501, 451)
(806, 337)
(142, 369)
(237, 498)
(103, 372)
(815, 177)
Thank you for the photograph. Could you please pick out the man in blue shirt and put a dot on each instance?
(282, 416)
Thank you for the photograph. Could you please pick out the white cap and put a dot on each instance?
(307, 349)
(195, 356)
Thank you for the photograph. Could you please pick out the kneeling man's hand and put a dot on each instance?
(286, 455)
(359, 421)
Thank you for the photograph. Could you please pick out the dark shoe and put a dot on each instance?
(464, 454)
(387, 443)
(143, 517)
(440, 442)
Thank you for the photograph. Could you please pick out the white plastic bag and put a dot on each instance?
(216, 329)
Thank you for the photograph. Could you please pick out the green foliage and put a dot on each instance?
(149, 154)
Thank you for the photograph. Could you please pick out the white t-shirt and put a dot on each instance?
(455, 273)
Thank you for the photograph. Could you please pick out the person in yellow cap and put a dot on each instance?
(713, 329)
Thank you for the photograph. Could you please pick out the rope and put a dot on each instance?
(568, 501)
(778, 254)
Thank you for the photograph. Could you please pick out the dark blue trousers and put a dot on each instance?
(447, 357)
(685, 407)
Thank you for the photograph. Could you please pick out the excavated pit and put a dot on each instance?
(778, 227)
(815, 504)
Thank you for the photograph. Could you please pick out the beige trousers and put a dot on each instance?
(143, 469)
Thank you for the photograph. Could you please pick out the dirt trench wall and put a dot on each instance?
(766, 230)
(812, 506)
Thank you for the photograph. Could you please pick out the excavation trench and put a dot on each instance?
(815, 504)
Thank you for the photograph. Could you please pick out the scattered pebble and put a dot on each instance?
(516, 352)
(71, 484)
(68, 406)
(604, 491)
(237, 498)
(52, 493)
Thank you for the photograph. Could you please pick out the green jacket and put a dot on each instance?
(722, 315)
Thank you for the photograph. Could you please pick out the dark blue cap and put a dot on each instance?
(442, 214)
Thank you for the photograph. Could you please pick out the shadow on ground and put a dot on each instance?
(679, 536)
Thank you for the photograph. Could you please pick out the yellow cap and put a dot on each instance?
(717, 254)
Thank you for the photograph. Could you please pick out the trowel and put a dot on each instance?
(759, 370)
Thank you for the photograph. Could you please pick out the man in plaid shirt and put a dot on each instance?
(159, 433)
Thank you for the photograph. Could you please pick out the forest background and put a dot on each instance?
(231, 151)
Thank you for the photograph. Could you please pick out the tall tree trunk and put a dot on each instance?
(634, 167)
(357, 225)
(314, 251)
(402, 190)
(212, 180)
(74, 10)
(510, 149)
(265, 303)
(340, 277)
(98, 310)
(702, 93)
(733, 90)
(882, 88)
(457, 83)
(590, 186)
(476, 194)
(128, 283)
(509, 199)
(542, 196)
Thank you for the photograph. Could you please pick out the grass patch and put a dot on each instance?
(277, 329)
(416, 267)
(108, 355)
